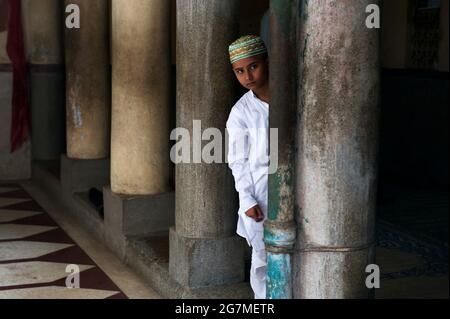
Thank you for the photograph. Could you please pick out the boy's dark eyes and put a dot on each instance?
(252, 67)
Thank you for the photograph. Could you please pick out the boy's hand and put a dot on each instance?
(255, 213)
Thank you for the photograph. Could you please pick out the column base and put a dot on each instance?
(136, 216)
(332, 275)
(81, 175)
(201, 262)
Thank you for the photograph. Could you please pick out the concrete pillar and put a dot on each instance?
(87, 82)
(140, 131)
(44, 49)
(280, 227)
(338, 135)
(140, 161)
(204, 249)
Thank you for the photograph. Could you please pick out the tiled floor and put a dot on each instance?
(413, 242)
(36, 246)
(422, 212)
(35, 253)
(410, 267)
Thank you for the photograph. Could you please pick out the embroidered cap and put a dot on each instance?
(245, 47)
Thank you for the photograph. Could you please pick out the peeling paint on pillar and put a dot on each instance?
(338, 137)
(279, 236)
(281, 195)
(278, 273)
(280, 228)
(87, 82)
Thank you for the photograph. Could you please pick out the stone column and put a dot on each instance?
(140, 135)
(87, 82)
(204, 249)
(140, 161)
(44, 47)
(280, 227)
(338, 135)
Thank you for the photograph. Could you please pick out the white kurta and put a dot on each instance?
(247, 127)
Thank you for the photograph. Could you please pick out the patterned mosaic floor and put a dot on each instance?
(35, 253)
(410, 267)
(434, 258)
(412, 247)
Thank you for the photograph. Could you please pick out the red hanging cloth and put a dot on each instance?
(20, 122)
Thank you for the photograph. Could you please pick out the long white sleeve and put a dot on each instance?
(238, 160)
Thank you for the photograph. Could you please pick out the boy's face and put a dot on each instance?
(252, 72)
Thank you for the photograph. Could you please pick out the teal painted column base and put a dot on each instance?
(279, 276)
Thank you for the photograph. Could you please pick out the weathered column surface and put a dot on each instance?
(280, 227)
(140, 162)
(204, 249)
(336, 180)
(45, 54)
(87, 82)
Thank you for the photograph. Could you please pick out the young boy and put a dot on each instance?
(247, 127)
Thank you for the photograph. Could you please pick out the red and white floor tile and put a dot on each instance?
(35, 253)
